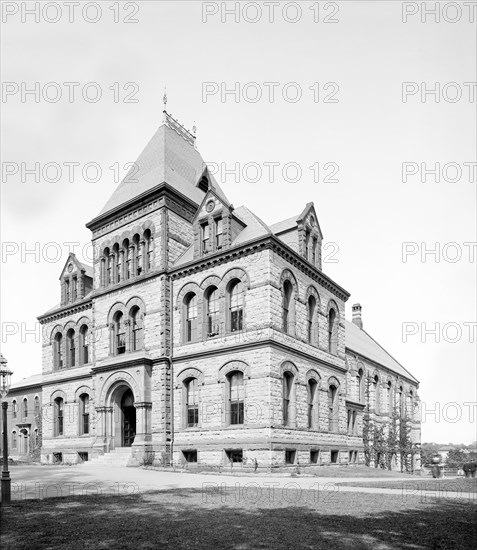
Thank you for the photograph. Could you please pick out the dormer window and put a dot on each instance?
(205, 234)
(218, 233)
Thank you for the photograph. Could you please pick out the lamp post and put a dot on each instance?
(5, 377)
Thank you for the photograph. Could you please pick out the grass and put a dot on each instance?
(240, 519)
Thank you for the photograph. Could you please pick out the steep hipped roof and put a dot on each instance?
(362, 343)
(167, 158)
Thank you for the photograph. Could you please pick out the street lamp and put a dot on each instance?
(5, 378)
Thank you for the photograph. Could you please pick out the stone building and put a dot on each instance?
(203, 335)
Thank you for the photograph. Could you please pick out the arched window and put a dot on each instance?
(58, 416)
(84, 413)
(70, 348)
(109, 266)
(138, 254)
(333, 410)
(14, 408)
(389, 403)
(311, 320)
(287, 393)
(192, 402)
(236, 306)
(376, 393)
(14, 439)
(84, 345)
(287, 299)
(37, 406)
(332, 332)
(236, 397)
(127, 259)
(360, 386)
(149, 250)
(58, 351)
(118, 263)
(119, 334)
(67, 291)
(312, 387)
(212, 312)
(25, 408)
(190, 315)
(313, 253)
(136, 329)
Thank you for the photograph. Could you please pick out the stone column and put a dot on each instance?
(143, 423)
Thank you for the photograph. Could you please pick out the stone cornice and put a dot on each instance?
(355, 404)
(139, 206)
(268, 242)
(138, 359)
(258, 344)
(65, 311)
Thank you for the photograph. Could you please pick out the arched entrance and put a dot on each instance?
(128, 411)
(24, 442)
(123, 429)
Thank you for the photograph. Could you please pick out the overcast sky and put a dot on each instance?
(336, 103)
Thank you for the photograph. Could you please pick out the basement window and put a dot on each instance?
(190, 456)
(334, 457)
(314, 456)
(57, 458)
(83, 457)
(234, 455)
(290, 456)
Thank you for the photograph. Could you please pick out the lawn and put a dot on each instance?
(244, 519)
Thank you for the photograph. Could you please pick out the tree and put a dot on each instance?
(428, 450)
(456, 458)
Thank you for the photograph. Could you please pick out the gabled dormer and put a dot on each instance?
(310, 236)
(76, 281)
(214, 223)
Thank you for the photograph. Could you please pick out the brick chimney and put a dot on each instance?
(357, 320)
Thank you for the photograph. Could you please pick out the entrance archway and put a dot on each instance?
(128, 411)
(24, 442)
(123, 430)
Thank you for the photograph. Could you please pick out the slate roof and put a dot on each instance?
(35, 379)
(284, 225)
(170, 158)
(362, 343)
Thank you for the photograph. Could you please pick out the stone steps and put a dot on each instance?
(118, 457)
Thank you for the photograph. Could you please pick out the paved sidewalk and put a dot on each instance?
(38, 482)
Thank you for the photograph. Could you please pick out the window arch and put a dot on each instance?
(235, 397)
(109, 266)
(37, 406)
(190, 317)
(117, 267)
(376, 389)
(84, 345)
(25, 408)
(389, 403)
(212, 311)
(84, 413)
(14, 408)
(138, 257)
(119, 334)
(332, 332)
(149, 246)
(288, 390)
(312, 321)
(192, 402)
(288, 307)
(58, 350)
(137, 329)
(312, 395)
(236, 305)
(333, 407)
(58, 405)
(360, 385)
(70, 348)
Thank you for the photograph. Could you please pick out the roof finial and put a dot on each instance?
(164, 98)
(194, 129)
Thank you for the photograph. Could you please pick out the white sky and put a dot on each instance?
(369, 133)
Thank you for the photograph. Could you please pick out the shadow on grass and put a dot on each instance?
(192, 518)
